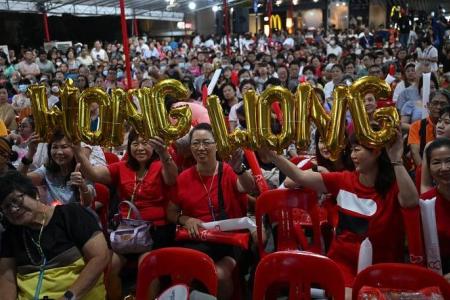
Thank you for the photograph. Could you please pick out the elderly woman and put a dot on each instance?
(58, 252)
(198, 201)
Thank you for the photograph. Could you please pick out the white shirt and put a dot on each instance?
(337, 50)
(288, 43)
(430, 52)
(101, 54)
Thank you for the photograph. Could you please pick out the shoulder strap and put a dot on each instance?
(222, 213)
(423, 135)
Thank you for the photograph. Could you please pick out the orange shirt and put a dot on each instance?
(414, 137)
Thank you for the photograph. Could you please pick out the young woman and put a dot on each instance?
(228, 97)
(144, 178)
(60, 175)
(63, 243)
(409, 78)
(369, 201)
(438, 154)
(198, 200)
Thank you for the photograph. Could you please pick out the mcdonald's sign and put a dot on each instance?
(275, 22)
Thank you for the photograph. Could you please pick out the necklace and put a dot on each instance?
(208, 191)
(36, 243)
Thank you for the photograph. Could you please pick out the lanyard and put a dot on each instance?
(137, 183)
(40, 280)
(208, 192)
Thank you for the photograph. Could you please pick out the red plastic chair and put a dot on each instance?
(111, 158)
(300, 270)
(102, 196)
(181, 264)
(413, 229)
(400, 277)
(286, 207)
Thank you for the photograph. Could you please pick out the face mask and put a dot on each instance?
(105, 73)
(332, 42)
(58, 63)
(23, 88)
(55, 89)
(247, 67)
(119, 74)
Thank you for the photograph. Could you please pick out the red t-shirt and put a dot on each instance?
(150, 196)
(364, 213)
(193, 197)
(442, 210)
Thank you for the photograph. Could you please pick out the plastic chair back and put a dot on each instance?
(111, 158)
(400, 277)
(300, 270)
(286, 208)
(102, 196)
(181, 264)
(414, 234)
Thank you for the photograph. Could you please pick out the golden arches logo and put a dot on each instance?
(275, 22)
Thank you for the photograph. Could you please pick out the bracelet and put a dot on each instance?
(397, 163)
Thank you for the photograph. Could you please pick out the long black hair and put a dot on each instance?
(330, 165)
(132, 163)
(385, 176)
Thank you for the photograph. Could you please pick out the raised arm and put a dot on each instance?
(407, 195)
(98, 174)
(169, 169)
(307, 178)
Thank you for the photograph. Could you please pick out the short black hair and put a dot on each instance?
(200, 126)
(437, 143)
(11, 181)
(132, 163)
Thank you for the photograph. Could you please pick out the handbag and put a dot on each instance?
(132, 235)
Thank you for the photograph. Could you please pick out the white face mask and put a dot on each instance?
(247, 67)
(55, 89)
(332, 42)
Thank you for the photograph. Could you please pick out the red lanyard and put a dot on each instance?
(137, 183)
(208, 191)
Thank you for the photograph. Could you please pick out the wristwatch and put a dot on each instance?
(69, 295)
(241, 171)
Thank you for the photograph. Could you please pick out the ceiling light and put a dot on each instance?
(192, 5)
(215, 8)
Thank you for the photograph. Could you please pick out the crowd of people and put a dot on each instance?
(185, 184)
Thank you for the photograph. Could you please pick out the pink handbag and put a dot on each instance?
(132, 235)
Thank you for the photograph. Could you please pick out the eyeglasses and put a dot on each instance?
(206, 144)
(14, 202)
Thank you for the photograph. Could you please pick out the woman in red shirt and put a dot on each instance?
(369, 201)
(438, 154)
(144, 179)
(198, 200)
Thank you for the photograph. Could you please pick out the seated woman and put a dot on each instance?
(60, 175)
(144, 179)
(438, 154)
(369, 201)
(442, 131)
(198, 200)
(58, 252)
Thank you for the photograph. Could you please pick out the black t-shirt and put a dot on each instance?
(71, 225)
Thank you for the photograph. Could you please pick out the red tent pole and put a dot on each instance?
(226, 23)
(46, 31)
(126, 48)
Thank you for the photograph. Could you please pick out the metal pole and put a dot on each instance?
(136, 25)
(126, 48)
(46, 30)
